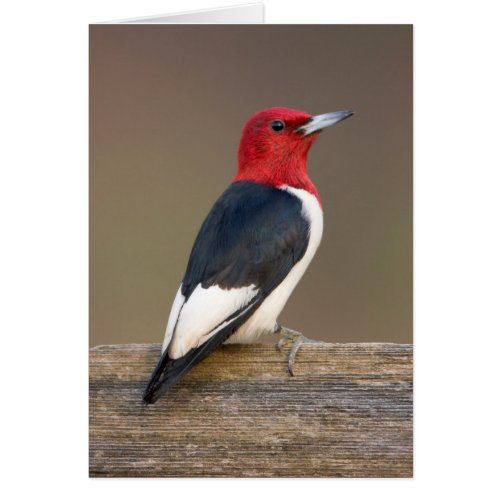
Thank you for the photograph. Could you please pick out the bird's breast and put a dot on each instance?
(312, 211)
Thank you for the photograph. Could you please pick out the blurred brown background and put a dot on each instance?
(167, 104)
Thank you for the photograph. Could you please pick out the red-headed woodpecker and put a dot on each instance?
(253, 247)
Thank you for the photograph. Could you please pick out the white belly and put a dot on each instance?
(264, 319)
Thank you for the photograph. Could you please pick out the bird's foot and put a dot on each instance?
(297, 338)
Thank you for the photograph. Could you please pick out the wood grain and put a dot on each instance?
(346, 413)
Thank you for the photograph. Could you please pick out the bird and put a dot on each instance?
(252, 248)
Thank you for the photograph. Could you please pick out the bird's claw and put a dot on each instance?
(280, 343)
(293, 352)
(298, 339)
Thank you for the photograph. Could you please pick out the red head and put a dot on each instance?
(274, 146)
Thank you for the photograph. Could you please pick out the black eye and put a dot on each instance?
(277, 125)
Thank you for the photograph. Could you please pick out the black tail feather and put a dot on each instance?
(169, 371)
(151, 391)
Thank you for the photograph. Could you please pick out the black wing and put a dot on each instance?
(253, 235)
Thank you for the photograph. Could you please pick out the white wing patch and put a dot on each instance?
(172, 319)
(193, 322)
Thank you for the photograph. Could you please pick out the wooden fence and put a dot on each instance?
(347, 412)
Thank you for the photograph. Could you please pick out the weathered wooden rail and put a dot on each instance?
(346, 413)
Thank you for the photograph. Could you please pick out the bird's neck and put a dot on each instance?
(291, 171)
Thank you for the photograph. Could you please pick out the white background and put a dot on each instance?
(43, 196)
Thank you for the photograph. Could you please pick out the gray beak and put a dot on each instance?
(319, 122)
